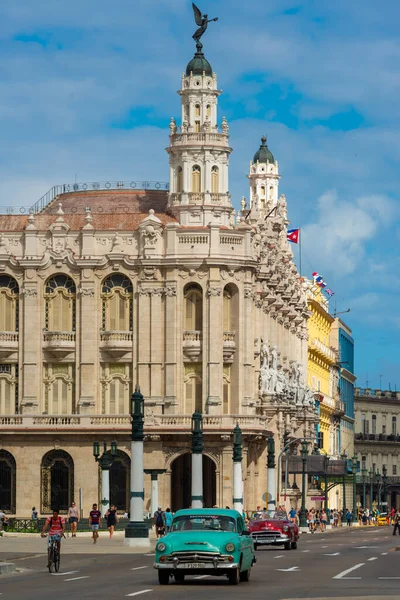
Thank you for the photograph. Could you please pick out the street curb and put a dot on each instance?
(6, 568)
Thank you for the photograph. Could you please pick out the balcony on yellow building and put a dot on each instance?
(8, 343)
(229, 346)
(324, 351)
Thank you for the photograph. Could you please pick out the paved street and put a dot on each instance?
(344, 564)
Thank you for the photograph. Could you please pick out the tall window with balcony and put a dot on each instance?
(117, 304)
(230, 370)
(9, 389)
(374, 424)
(60, 304)
(215, 180)
(59, 389)
(9, 318)
(116, 383)
(179, 180)
(197, 114)
(394, 426)
(196, 179)
(9, 305)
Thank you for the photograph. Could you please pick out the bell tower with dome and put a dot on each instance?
(199, 151)
(264, 181)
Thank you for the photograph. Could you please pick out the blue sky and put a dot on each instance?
(87, 89)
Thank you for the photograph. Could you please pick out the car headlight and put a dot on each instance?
(285, 528)
(161, 547)
(230, 547)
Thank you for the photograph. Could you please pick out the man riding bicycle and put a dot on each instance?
(56, 525)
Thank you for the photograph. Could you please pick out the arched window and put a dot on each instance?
(208, 111)
(262, 190)
(215, 180)
(116, 381)
(193, 308)
(117, 303)
(196, 179)
(197, 110)
(59, 389)
(374, 424)
(193, 388)
(227, 309)
(120, 481)
(60, 303)
(8, 389)
(226, 389)
(179, 180)
(57, 481)
(8, 473)
(197, 114)
(9, 303)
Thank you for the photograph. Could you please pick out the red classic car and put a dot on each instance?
(273, 528)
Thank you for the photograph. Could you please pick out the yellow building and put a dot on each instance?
(323, 371)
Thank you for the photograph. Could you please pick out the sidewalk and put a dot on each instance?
(13, 546)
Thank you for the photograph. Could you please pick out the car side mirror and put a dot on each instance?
(246, 532)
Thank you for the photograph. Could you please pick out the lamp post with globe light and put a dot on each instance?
(304, 454)
(105, 461)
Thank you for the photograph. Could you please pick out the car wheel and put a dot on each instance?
(287, 545)
(234, 577)
(245, 575)
(179, 577)
(163, 577)
(294, 545)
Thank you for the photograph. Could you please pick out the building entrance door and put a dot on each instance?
(181, 482)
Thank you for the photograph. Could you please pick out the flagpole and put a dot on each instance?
(300, 250)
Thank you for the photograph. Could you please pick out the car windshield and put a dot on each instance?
(270, 514)
(203, 522)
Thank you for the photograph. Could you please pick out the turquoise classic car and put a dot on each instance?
(205, 541)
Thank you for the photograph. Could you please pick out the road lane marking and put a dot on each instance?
(76, 578)
(280, 556)
(201, 576)
(138, 593)
(137, 568)
(334, 554)
(384, 553)
(343, 574)
(324, 546)
(66, 573)
(388, 577)
(305, 551)
(362, 547)
(373, 558)
(151, 554)
(291, 570)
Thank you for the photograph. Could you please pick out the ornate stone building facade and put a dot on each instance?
(104, 286)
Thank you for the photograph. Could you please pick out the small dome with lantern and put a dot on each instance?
(264, 154)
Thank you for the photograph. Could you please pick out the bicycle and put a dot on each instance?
(53, 556)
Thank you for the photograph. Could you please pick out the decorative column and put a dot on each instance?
(271, 473)
(344, 457)
(136, 532)
(197, 460)
(364, 482)
(384, 478)
(154, 487)
(237, 470)
(105, 461)
(354, 471)
(30, 339)
(304, 454)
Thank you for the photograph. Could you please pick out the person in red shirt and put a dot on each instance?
(56, 526)
(95, 522)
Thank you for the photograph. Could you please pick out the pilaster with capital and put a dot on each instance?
(156, 326)
(32, 336)
(143, 339)
(214, 295)
(89, 342)
(172, 334)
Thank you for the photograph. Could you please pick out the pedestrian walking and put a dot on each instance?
(335, 518)
(73, 518)
(349, 517)
(158, 522)
(168, 520)
(112, 519)
(324, 520)
(396, 523)
(34, 514)
(95, 522)
(293, 515)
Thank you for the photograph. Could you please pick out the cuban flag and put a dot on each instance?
(293, 235)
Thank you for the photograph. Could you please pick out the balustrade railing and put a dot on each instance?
(184, 138)
(9, 336)
(195, 197)
(192, 336)
(116, 336)
(59, 336)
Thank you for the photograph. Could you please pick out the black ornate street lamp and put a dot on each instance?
(136, 532)
(371, 487)
(379, 490)
(354, 471)
(364, 474)
(197, 460)
(237, 469)
(343, 456)
(384, 477)
(304, 454)
(105, 461)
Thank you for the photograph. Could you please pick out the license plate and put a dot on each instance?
(195, 566)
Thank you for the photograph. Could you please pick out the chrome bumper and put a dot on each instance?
(208, 567)
(270, 539)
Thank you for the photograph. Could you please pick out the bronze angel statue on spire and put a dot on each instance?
(202, 21)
